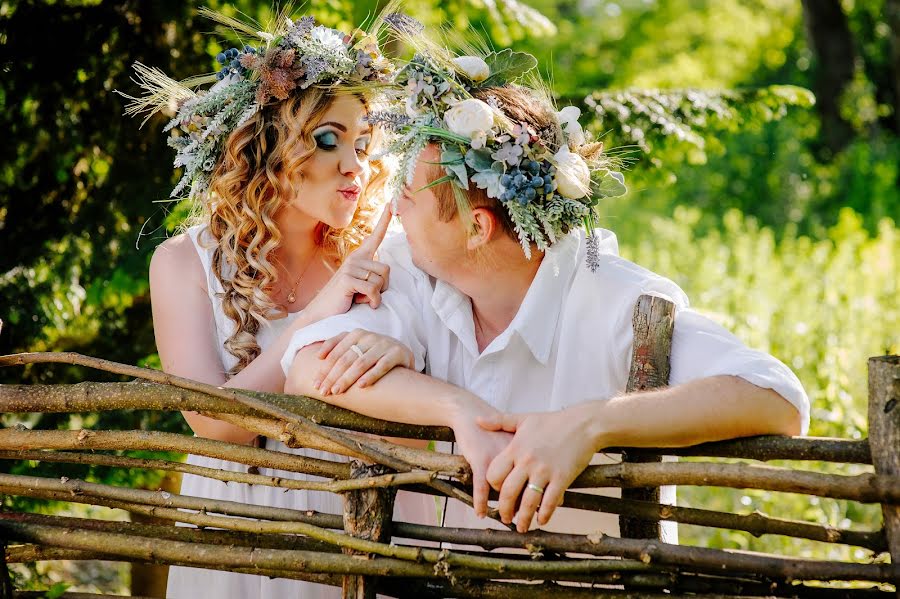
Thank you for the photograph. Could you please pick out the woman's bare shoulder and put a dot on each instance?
(176, 260)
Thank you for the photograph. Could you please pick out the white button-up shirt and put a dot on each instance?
(570, 342)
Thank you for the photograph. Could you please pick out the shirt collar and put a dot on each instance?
(536, 320)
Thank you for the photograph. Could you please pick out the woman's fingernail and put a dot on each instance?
(316, 385)
(335, 390)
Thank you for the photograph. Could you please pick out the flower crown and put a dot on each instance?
(296, 54)
(547, 191)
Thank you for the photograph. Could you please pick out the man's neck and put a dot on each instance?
(497, 291)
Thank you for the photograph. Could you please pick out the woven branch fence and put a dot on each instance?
(357, 550)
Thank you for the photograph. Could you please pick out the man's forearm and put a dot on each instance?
(402, 395)
(710, 409)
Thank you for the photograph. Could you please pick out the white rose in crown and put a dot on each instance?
(568, 120)
(474, 68)
(573, 177)
(469, 118)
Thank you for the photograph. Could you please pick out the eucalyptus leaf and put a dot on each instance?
(507, 66)
(611, 185)
(453, 162)
(479, 160)
(488, 180)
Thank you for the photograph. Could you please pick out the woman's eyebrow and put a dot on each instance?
(337, 126)
(343, 129)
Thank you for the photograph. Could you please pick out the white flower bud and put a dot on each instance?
(573, 177)
(568, 120)
(469, 118)
(473, 67)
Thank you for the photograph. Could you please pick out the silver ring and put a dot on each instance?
(536, 488)
(357, 350)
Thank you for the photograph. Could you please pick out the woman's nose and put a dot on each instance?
(350, 163)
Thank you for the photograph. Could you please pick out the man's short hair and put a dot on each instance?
(520, 105)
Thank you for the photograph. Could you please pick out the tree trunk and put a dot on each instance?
(830, 40)
(892, 16)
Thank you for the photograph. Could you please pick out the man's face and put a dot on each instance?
(438, 248)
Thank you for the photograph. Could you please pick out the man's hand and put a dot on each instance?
(549, 450)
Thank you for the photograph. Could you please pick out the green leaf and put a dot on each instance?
(611, 185)
(444, 179)
(488, 180)
(479, 160)
(453, 162)
(57, 590)
(507, 66)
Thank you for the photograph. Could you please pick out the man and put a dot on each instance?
(526, 357)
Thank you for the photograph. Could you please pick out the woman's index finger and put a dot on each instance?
(371, 244)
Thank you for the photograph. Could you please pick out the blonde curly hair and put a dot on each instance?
(246, 192)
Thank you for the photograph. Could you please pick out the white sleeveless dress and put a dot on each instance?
(189, 583)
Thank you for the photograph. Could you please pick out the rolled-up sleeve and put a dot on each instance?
(394, 317)
(399, 315)
(702, 348)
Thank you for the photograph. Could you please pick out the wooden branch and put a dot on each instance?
(337, 486)
(14, 439)
(140, 395)
(688, 559)
(868, 487)
(452, 465)
(295, 422)
(862, 487)
(685, 559)
(143, 395)
(164, 532)
(884, 436)
(279, 559)
(756, 523)
(773, 447)
(83, 492)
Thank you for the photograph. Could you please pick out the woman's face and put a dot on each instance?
(338, 171)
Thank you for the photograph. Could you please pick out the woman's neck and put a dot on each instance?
(298, 242)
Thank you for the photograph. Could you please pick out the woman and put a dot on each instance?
(277, 155)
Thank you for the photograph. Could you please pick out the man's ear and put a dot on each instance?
(483, 226)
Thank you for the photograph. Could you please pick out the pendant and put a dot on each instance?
(292, 298)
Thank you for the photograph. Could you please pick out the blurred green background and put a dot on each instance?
(762, 144)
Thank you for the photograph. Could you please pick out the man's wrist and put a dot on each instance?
(597, 423)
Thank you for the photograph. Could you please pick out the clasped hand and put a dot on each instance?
(547, 452)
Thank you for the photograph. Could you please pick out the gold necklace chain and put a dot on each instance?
(292, 297)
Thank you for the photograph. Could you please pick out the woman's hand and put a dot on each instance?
(360, 279)
(480, 447)
(549, 450)
(359, 357)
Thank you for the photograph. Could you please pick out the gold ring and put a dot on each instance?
(357, 350)
(368, 274)
(536, 488)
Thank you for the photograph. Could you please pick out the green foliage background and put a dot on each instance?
(736, 192)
